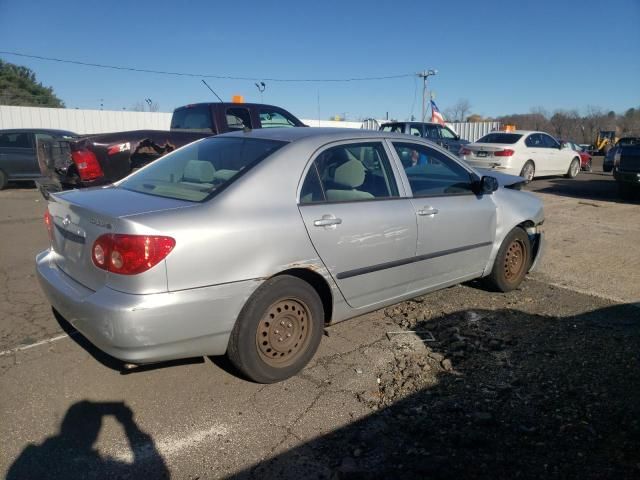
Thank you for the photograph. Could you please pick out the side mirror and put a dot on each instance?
(487, 185)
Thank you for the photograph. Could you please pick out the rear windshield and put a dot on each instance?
(194, 118)
(197, 171)
(508, 138)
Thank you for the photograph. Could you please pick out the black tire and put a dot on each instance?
(528, 171)
(506, 274)
(279, 311)
(3, 180)
(574, 168)
(589, 167)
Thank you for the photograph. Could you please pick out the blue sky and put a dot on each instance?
(503, 56)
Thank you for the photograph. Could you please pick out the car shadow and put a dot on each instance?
(522, 396)
(70, 454)
(111, 362)
(597, 187)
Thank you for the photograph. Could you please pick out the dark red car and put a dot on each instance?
(585, 157)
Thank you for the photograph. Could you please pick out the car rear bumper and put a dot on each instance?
(147, 328)
(491, 166)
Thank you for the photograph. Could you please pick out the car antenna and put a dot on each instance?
(212, 90)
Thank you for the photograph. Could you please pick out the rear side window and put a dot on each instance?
(194, 118)
(197, 171)
(352, 172)
(534, 140)
(508, 138)
(392, 128)
(274, 119)
(238, 118)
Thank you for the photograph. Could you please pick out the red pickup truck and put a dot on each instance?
(105, 158)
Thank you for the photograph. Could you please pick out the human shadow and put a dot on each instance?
(500, 394)
(71, 455)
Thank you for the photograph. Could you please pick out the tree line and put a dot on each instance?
(563, 124)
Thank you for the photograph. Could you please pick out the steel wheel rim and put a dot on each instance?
(514, 261)
(283, 332)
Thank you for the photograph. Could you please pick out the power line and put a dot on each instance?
(208, 75)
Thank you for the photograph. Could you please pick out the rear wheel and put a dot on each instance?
(528, 171)
(512, 262)
(278, 331)
(3, 180)
(574, 168)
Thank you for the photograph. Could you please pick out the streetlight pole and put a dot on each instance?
(424, 75)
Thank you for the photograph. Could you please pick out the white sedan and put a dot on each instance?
(525, 153)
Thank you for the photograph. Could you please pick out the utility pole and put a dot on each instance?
(424, 75)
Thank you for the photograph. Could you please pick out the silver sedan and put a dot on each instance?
(250, 243)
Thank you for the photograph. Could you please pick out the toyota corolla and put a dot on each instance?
(248, 244)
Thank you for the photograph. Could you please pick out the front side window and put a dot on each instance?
(549, 142)
(352, 172)
(448, 134)
(431, 173)
(238, 118)
(273, 119)
(197, 171)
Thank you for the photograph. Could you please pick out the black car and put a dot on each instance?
(626, 167)
(18, 159)
(440, 134)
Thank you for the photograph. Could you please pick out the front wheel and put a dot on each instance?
(574, 168)
(512, 261)
(278, 330)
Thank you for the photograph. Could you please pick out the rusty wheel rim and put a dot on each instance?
(514, 261)
(283, 332)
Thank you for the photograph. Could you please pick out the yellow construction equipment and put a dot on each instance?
(604, 141)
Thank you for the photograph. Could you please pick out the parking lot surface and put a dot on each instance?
(537, 383)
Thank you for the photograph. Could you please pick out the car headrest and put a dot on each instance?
(198, 171)
(350, 173)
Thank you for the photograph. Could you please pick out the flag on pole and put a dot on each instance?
(436, 116)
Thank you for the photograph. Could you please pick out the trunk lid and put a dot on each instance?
(80, 217)
(484, 153)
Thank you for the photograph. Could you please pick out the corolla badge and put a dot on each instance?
(100, 223)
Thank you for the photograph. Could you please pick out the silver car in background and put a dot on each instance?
(249, 243)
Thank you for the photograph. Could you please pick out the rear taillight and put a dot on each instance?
(48, 221)
(130, 254)
(503, 153)
(464, 151)
(88, 166)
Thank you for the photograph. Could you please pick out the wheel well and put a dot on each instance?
(319, 284)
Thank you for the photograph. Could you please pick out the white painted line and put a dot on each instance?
(167, 446)
(32, 345)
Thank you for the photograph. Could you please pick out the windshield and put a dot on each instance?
(198, 170)
(508, 138)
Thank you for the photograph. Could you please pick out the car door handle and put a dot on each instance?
(327, 221)
(426, 211)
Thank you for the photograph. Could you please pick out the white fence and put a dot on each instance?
(103, 121)
(474, 130)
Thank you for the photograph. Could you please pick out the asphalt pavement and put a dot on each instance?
(70, 412)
